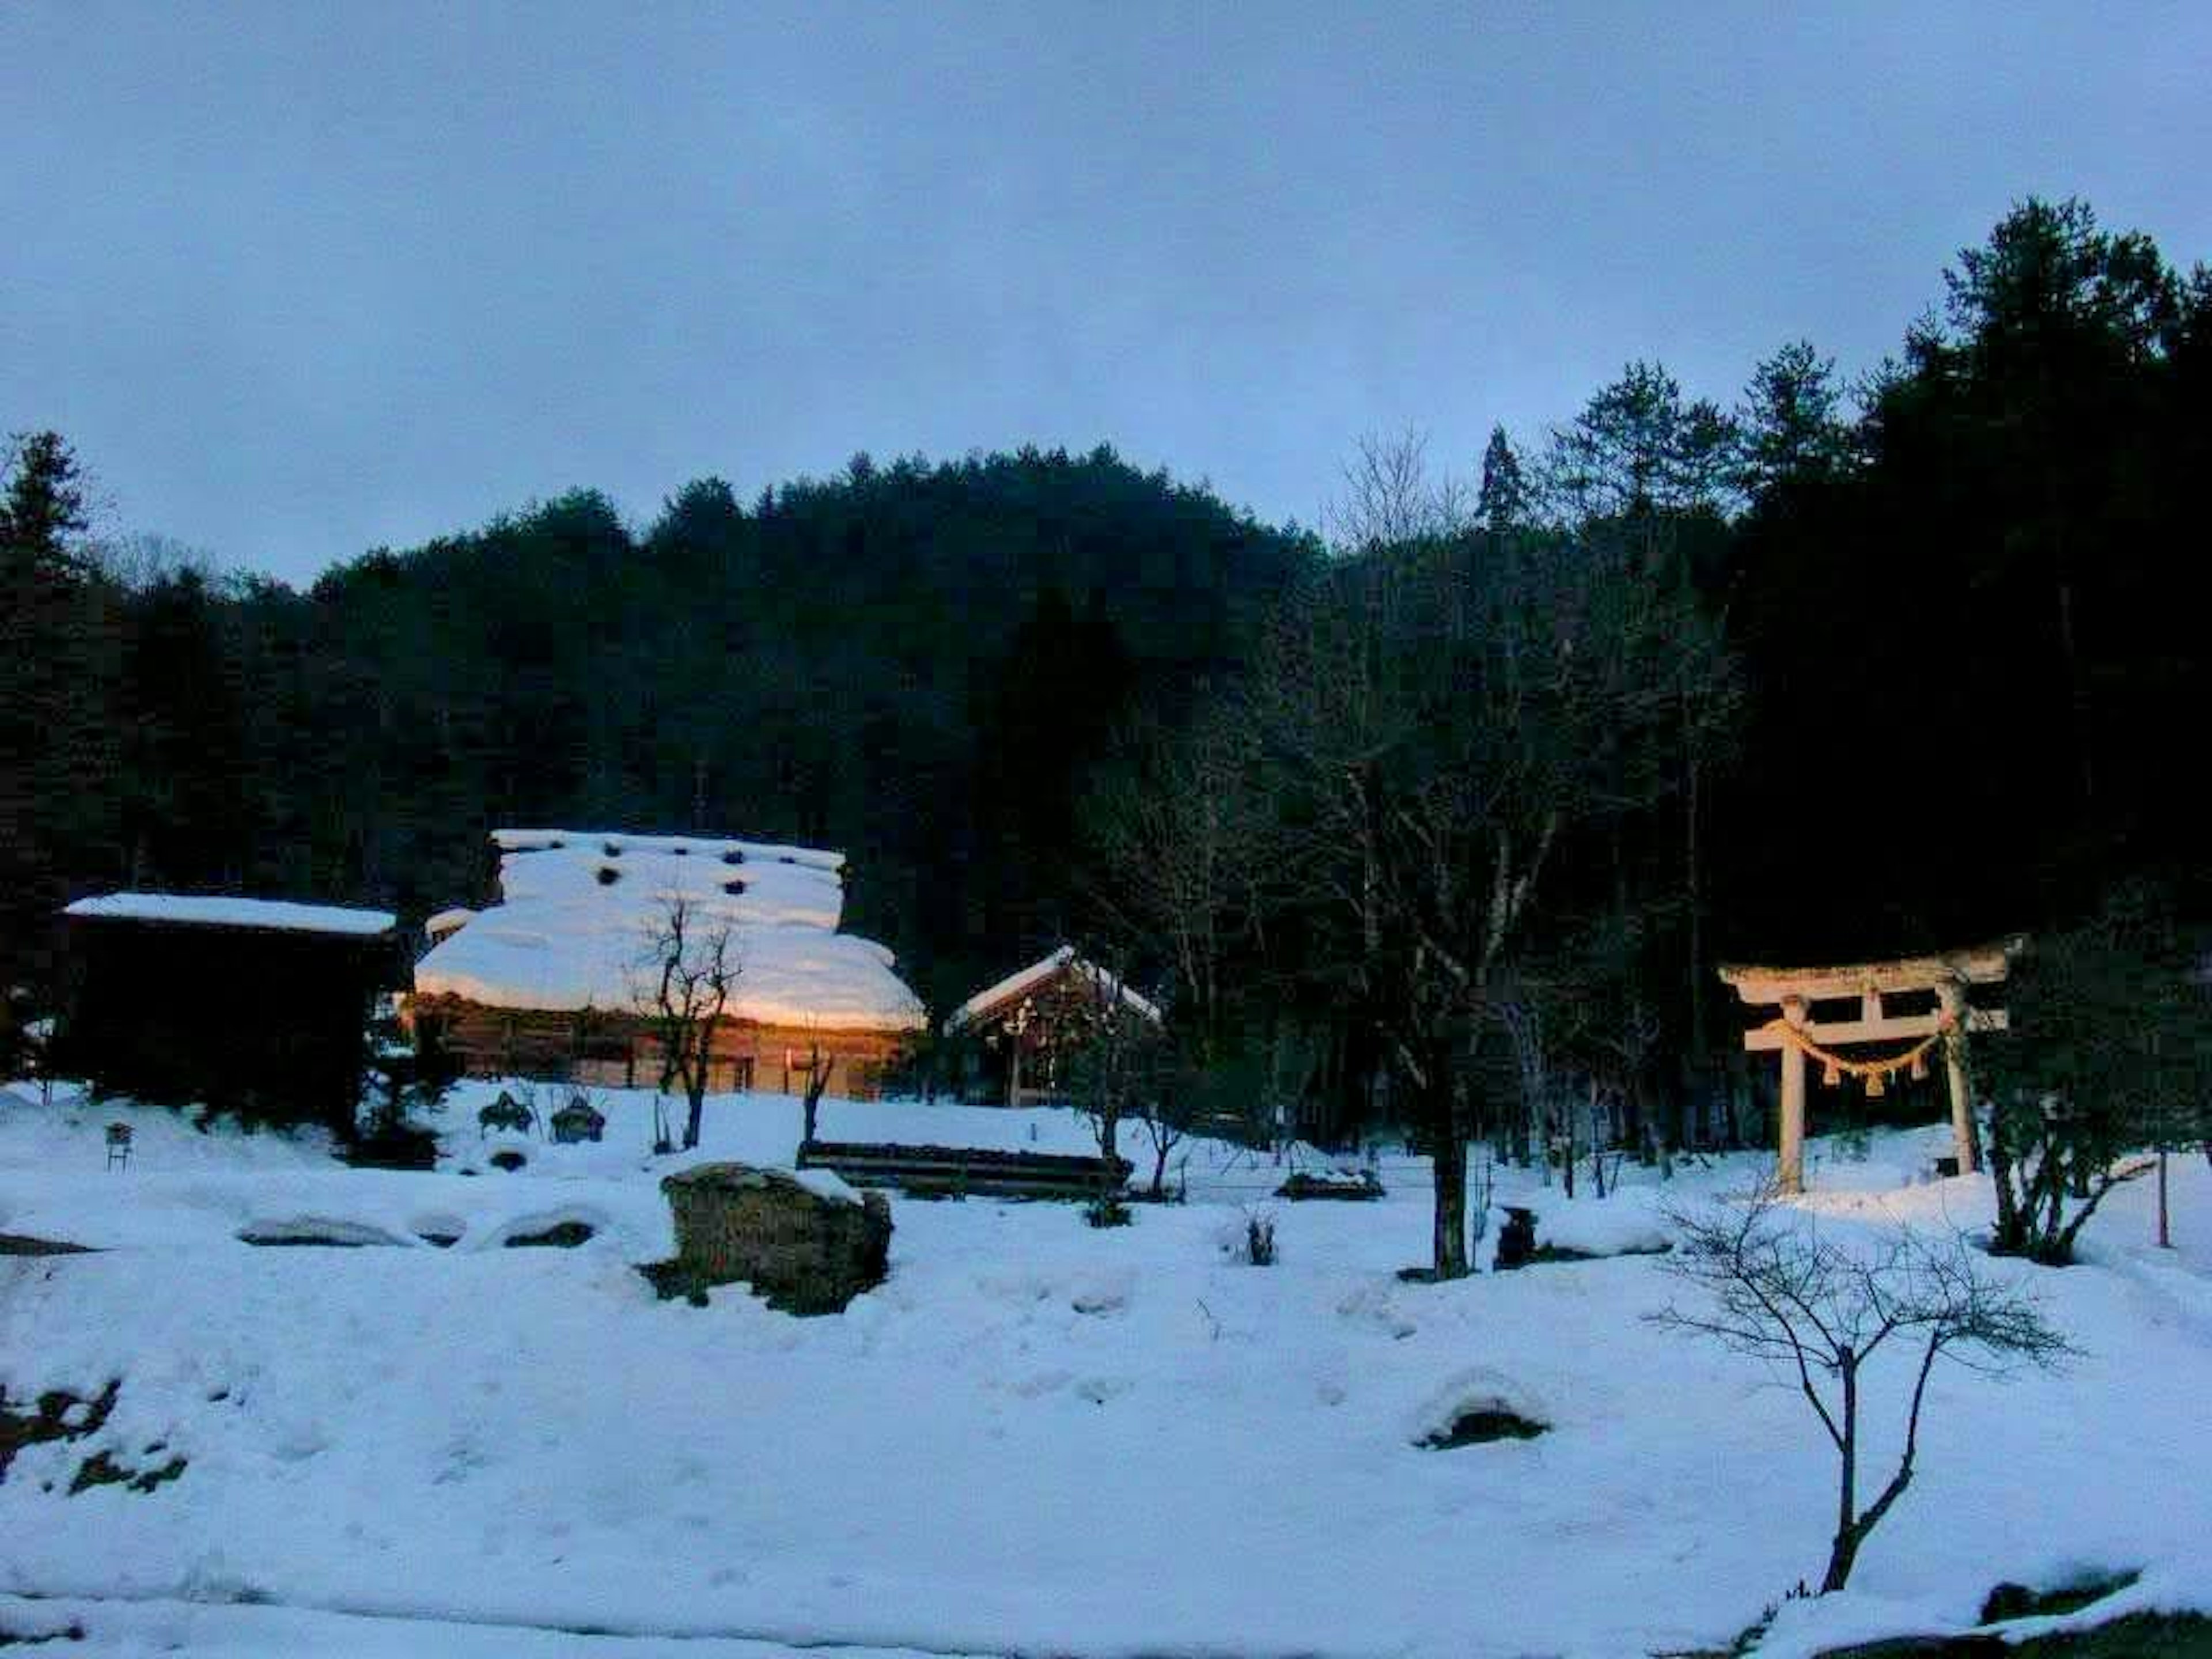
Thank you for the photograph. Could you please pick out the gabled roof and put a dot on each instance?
(221, 911)
(578, 907)
(1011, 989)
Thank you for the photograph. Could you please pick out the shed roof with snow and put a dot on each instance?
(579, 908)
(1064, 962)
(221, 911)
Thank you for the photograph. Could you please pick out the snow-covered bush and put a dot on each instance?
(1260, 1238)
(2109, 1051)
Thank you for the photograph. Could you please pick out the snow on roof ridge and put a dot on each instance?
(528, 840)
(1036, 974)
(230, 911)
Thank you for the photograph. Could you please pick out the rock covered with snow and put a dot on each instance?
(808, 1247)
(1474, 1405)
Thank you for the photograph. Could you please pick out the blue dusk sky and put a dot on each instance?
(299, 279)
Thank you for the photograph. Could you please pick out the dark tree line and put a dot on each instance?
(1935, 649)
(1935, 656)
(916, 663)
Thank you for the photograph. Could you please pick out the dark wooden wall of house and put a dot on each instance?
(268, 1022)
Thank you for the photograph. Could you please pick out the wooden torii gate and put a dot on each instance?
(1798, 1035)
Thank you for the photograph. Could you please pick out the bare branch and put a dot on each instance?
(1777, 1290)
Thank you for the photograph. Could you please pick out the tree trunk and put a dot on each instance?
(2077, 694)
(2011, 1234)
(1697, 917)
(1845, 1549)
(1598, 1139)
(1449, 1157)
(695, 1094)
(2165, 1234)
(1109, 1143)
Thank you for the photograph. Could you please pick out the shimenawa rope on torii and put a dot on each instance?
(1876, 1073)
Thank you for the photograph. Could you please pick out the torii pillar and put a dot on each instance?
(1794, 991)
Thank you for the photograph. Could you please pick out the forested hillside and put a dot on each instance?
(1956, 608)
(915, 664)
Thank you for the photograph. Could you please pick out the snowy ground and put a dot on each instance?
(1036, 1438)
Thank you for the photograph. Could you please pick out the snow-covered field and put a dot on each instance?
(1036, 1438)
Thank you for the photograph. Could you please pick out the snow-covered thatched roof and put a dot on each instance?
(1011, 989)
(579, 908)
(220, 910)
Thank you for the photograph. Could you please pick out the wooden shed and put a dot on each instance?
(252, 1005)
(1024, 1024)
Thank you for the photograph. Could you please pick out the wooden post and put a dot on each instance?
(1952, 998)
(1790, 1168)
(1013, 1068)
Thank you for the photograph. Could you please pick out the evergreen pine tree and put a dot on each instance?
(1504, 500)
(57, 662)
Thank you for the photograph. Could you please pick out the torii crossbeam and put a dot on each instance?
(1797, 1033)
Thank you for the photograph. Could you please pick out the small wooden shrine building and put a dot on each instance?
(1026, 1023)
(1919, 1002)
(250, 1005)
(555, 981)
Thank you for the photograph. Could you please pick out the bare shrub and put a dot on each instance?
(1818, 1309)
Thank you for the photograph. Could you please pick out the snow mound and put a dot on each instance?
(432, 1226)
(1625, 1224)
(542, 1226)
(1478, 1403)
(316, 1229)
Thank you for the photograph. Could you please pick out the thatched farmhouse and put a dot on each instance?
(250, 1005)
(556, 980)
(1026, 1023)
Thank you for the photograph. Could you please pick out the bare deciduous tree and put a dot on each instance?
(1178, 849)
(1442, 715)
(1819, 1309)
(817, 1081)
(1518, 1006)
(1391, 496)
(687, 968)
(1115, 1057)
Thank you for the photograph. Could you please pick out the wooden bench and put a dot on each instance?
(958, 1171)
